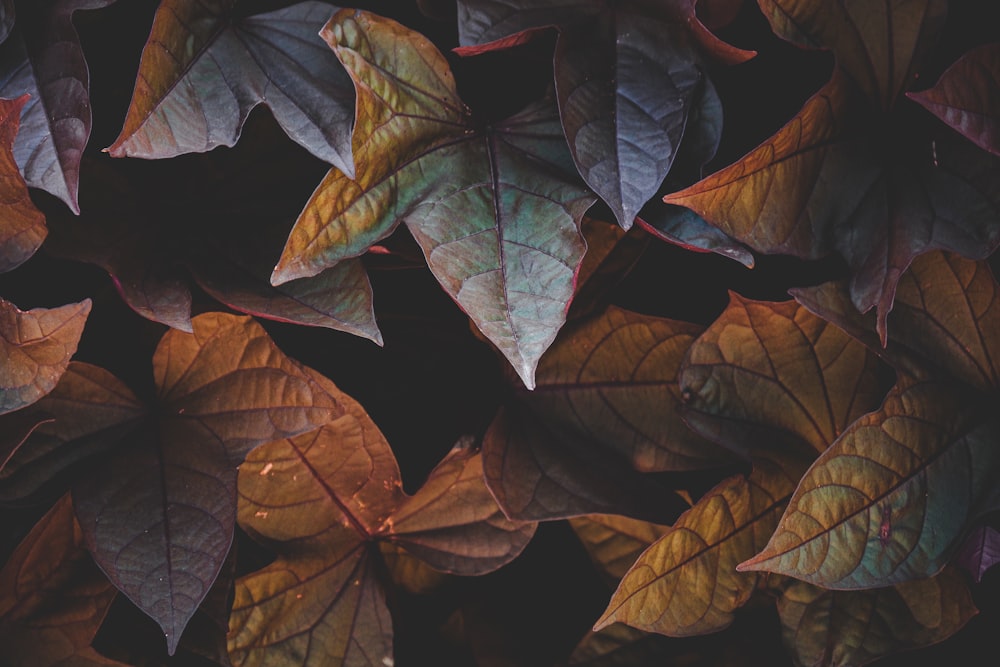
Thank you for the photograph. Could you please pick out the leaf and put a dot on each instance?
(6, 19)
(52, 598)
(205, 67)
(615, 542)
(42, 57)
(967, 97)
(888, 501)
(22, 226)
(37, 346)
(627, 76)
(878, 44)
(686, 582)
(687, 229)
(766, 369)
(159, 515)
(853, 628)
(980, 551)
(492, 209)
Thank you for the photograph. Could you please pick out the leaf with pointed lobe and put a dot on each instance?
(52, 597)
(494, 210)
(890, 499)
(967, 97)
(36, 347)
(22, 226)
(205, 68)
(980, 551)
(615, 542)
(853, 628)
(776, 367)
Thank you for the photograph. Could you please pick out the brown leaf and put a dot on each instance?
(22, 226)
(615, 542)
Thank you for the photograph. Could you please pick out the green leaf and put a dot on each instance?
(22, 226)
(493, 209)
(888, 502)
(36, 346)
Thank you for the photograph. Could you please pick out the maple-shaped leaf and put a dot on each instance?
(205, 67)
(493, 209)
(322, 501)
(627, 76)
(42, 57)
(35, 348)
(858, 171)
(853, 628)
(967, 97)
(52, 597)
(889, 500)
(22, 226)
(980, 551)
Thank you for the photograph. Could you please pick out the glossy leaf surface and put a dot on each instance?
(22, 226)
(204, 68)
(43, 58)
(496, 217)
(36, 347)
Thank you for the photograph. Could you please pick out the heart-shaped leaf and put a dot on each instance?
(43, 58)
(853, 628)
(22, 226)
(627, 76)
(52, 597)
(889, 500)
(967, 97)
(980, 551)
(492, 209)
(36, 346)
(205, 67)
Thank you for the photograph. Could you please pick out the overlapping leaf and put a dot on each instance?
(493, 210)
(43, 58)
(967, 97)
(853, 628)
(52, 597)
(35, 349)
(205, 67)
(627, 77)
(889, 500)
(22, 226)
(980, 551)
(615, 542)
(854, 173)
(322, 500)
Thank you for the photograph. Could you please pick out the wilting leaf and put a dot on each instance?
(43, 58)
(776, 366)
(627, 76)
(36, 347)
(854, 628)
(205, 67)
(493, 209)
(159, 515)
(967, 97)
(686, 582)
(889, 500)
(52, 597)
(22, 226)
(542, 472)
(615, 542)
(879, 45)
(980, 551)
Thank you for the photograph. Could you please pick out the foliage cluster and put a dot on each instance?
(520, 381)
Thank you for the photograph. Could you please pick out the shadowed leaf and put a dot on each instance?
(888, 501)
(22, 226)
(36, 347)
(980, 551)
(52, 597)
(854, 628)
(409, 572)
(204, 68)
(615, 542)
(43, 58)
(493, 209)
(6, 19)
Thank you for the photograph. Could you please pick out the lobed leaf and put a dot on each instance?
(22, 226)
(204, 69)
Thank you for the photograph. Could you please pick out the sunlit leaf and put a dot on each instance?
(980, 551)
(615, 542)
(22, 226)
(43, 58)
(52, 597)
(35, 349)
(493, 209)
(853, 628)
(889, 500)
(159, 515)
(205, 67)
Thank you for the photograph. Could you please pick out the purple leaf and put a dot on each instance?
(980, 551)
